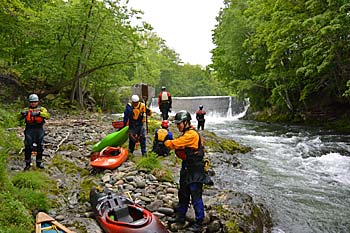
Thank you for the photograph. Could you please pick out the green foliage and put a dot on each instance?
(30, 180)
(31, 187)
(148, 162)
(68, 147)
(14, 216)
(284, 55)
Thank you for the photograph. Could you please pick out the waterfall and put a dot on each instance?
(229, 111)
(216, 106)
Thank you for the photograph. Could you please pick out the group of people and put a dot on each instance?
(188, 146)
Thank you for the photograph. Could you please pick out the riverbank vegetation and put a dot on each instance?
(290, 58)
(20, 194)
(80, 54)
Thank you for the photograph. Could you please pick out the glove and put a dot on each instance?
(24, 113)
(148, 111)
(34, 113)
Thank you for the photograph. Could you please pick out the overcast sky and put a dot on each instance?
(185, 25)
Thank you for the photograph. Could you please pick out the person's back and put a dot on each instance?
(200, 117)
(135, 116)
(160, 137)
(164, 103)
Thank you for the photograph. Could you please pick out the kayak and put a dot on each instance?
(47, 224)
(118, 214)
(117, 138)
(118, 124)
(109, 158)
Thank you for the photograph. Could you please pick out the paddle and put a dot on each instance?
(144, 93)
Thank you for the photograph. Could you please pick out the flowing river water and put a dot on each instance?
(302, 175)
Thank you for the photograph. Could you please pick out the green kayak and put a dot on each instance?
(117, 138)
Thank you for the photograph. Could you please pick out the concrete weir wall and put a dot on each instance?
(213, 105)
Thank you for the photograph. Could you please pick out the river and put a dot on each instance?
(302, 175)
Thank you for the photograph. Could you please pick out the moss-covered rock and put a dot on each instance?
(214, 143)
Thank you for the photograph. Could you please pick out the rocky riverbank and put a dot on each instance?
(67, 147)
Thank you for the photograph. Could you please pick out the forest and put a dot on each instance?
(82, 52)
(289, 57)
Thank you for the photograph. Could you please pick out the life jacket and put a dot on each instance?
(200, 115)
(192, 157)
(162, 134)
(138, 113)
(34, 120)
(164, 98)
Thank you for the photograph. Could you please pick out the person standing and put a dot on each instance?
(189, 148)
(135, 113)
(34, 117)
(160, 137)
(164, 103)
(200, 117)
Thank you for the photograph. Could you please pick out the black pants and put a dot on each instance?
(165, 111)
(33, 135)
(200, 125)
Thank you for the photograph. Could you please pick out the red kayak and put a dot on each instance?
(118, 214)
(109, 158)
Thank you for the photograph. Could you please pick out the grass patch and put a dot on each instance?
(148, 162)
(14, 216)
(67, 166)
(68, 147)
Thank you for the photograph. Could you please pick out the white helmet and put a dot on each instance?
(135, 98)
(33, 98)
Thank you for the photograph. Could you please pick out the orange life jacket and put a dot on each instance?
(34, 119)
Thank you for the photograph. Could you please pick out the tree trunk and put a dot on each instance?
(77, 92)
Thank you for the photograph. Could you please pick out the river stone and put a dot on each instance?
(214, 226)
(146, 199)
(59, 217)
(159, 215)
(106, 178)
(139, 182)
(166, 211)
(129, 178)
(154, 205)
(172, 190)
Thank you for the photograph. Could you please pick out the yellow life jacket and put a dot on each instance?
(162, 133)
(138, 112)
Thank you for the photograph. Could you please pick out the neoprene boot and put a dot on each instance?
(40, 165)
(27, 167)
(178, 219)
(197, 227)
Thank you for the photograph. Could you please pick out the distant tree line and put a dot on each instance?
(287, 56)
(78, 50)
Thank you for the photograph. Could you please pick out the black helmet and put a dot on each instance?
(200, 106)
(182, 116)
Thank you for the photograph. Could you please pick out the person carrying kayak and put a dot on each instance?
(161, 135)
(164, 103)
(135, 113)
(189, 148)
(34, 117)
(200, 117)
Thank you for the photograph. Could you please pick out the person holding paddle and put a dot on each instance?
(135, 113)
